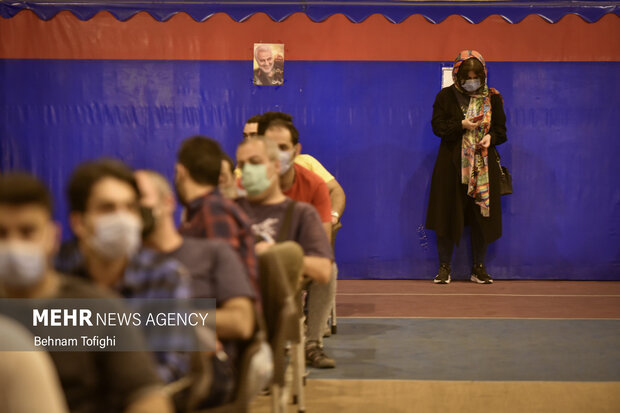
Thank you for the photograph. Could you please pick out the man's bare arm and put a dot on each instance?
(338, 197)
(318, 268)
(235, 319)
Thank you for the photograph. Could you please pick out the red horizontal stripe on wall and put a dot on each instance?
(25, 36)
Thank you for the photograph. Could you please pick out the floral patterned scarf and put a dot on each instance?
(474, 160)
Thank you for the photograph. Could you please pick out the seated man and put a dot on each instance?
(105, 219)
(215, 268)
(92, 381)
(297, 182)
(209, 214)
(336, 193)
(302, 184)
(277, 218)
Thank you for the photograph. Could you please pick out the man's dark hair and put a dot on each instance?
(268, 117)
(254, 119)
(281, 123)
(202, 157)
(474, 65)
(87, 174)
(19, 189)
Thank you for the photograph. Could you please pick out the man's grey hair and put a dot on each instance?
(271, 148)
(262, 48)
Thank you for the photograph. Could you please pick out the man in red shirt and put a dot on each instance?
(301, 184)
(297, 182)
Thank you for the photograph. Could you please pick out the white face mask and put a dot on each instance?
(117, 235)
(22, 264)
(286, 161)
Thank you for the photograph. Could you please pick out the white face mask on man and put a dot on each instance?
(22, 264)
(286, 161)
(117, 235)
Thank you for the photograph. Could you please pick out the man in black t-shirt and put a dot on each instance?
(277, 218)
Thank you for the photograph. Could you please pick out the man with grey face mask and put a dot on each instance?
(105, 218)
(28, 242)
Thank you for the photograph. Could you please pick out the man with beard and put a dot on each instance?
(270, 71)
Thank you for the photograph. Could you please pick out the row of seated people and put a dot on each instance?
(127, 244)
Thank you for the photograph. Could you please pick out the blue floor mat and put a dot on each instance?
(474, 349)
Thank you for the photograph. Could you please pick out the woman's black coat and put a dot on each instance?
(448, 196)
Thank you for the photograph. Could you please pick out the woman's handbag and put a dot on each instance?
(505, 180)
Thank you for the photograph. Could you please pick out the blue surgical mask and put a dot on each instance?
(471, 85)
(254, 179)
(285, 162)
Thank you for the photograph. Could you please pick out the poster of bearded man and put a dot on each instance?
(268, 64)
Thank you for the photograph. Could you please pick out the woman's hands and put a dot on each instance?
(469, 124)
(485, 142)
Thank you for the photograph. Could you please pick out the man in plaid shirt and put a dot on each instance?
(208, 213)
(105, 219)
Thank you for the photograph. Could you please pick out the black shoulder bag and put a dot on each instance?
(505, 180)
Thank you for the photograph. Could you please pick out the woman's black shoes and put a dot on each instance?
(479, 275)
(443, 276)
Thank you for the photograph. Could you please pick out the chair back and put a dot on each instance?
(280, 273)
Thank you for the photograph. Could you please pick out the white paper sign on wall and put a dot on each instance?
(446, 76)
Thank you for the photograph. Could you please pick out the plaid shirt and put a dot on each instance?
(147, 275)
(214, 216)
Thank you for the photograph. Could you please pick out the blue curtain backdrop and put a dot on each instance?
(369, 124)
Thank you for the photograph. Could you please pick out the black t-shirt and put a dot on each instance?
(101, 382)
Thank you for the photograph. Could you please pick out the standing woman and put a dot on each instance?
(469, 118)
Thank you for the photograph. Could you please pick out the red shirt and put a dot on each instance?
(309, 187)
